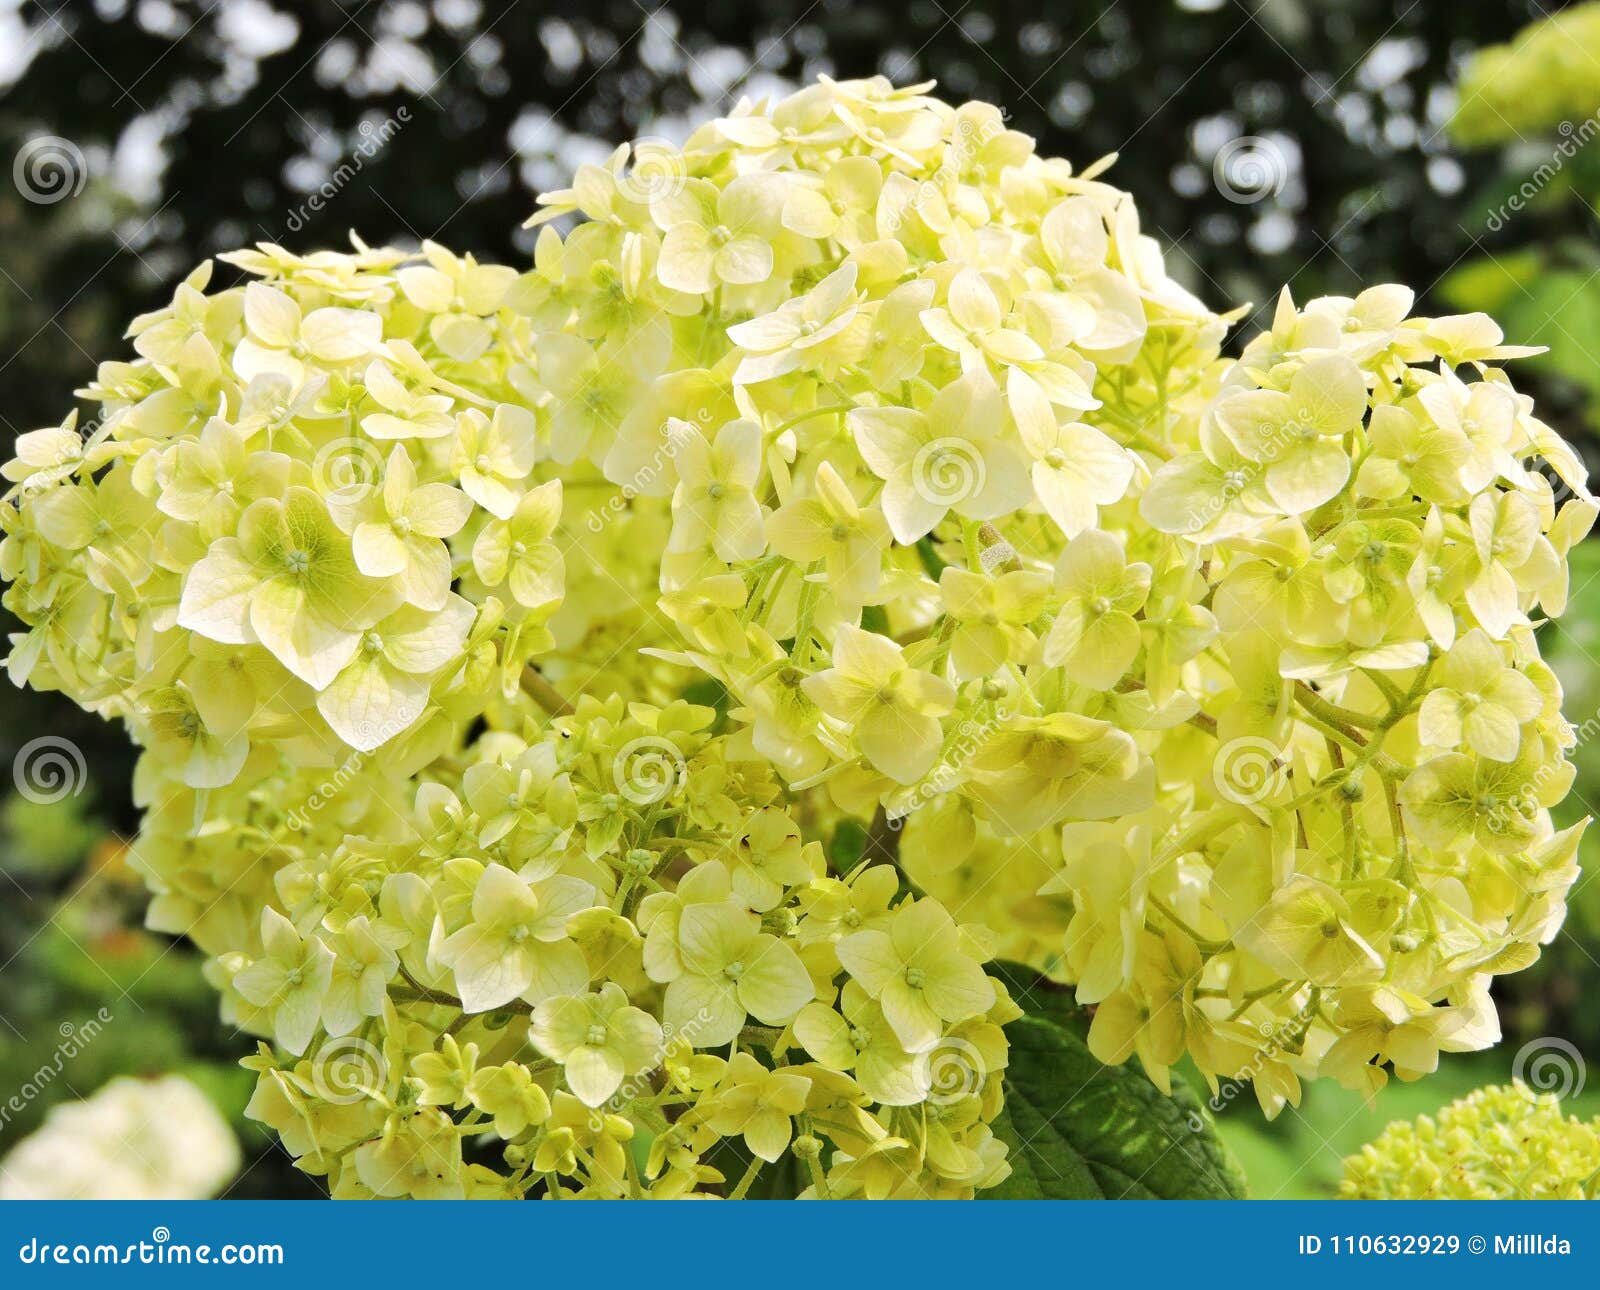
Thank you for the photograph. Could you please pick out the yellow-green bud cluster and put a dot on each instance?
(1541, 79)
(1504, 1142)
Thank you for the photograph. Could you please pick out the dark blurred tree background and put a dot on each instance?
(1268, 142)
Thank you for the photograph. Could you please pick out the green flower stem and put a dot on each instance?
(1329, 719)
(422, 994)
(1206, 946)
(743, 1189)
(819, 1176)
(543, 693)
(1198, 833)
(827, 409)
(969, 546)
(766, 1036)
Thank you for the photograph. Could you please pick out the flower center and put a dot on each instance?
(596, 1038)
(914, 977)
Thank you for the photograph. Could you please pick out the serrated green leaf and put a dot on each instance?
(1080, 1130)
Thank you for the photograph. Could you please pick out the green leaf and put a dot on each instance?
(928, 553)
(847, 845)
(1080, 1130)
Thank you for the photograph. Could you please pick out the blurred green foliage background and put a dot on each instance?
(1445, 146)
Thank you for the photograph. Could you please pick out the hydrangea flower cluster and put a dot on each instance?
(1505, 1142)
(1540, 79)
(515, 655)
(132, 1139)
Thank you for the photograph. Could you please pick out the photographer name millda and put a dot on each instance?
(1532, 1243)
(1513, 1243)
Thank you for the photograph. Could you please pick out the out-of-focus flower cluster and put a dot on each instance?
(134, 1139)
(849, 467)
(1504, 1142)
(1542, 78)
